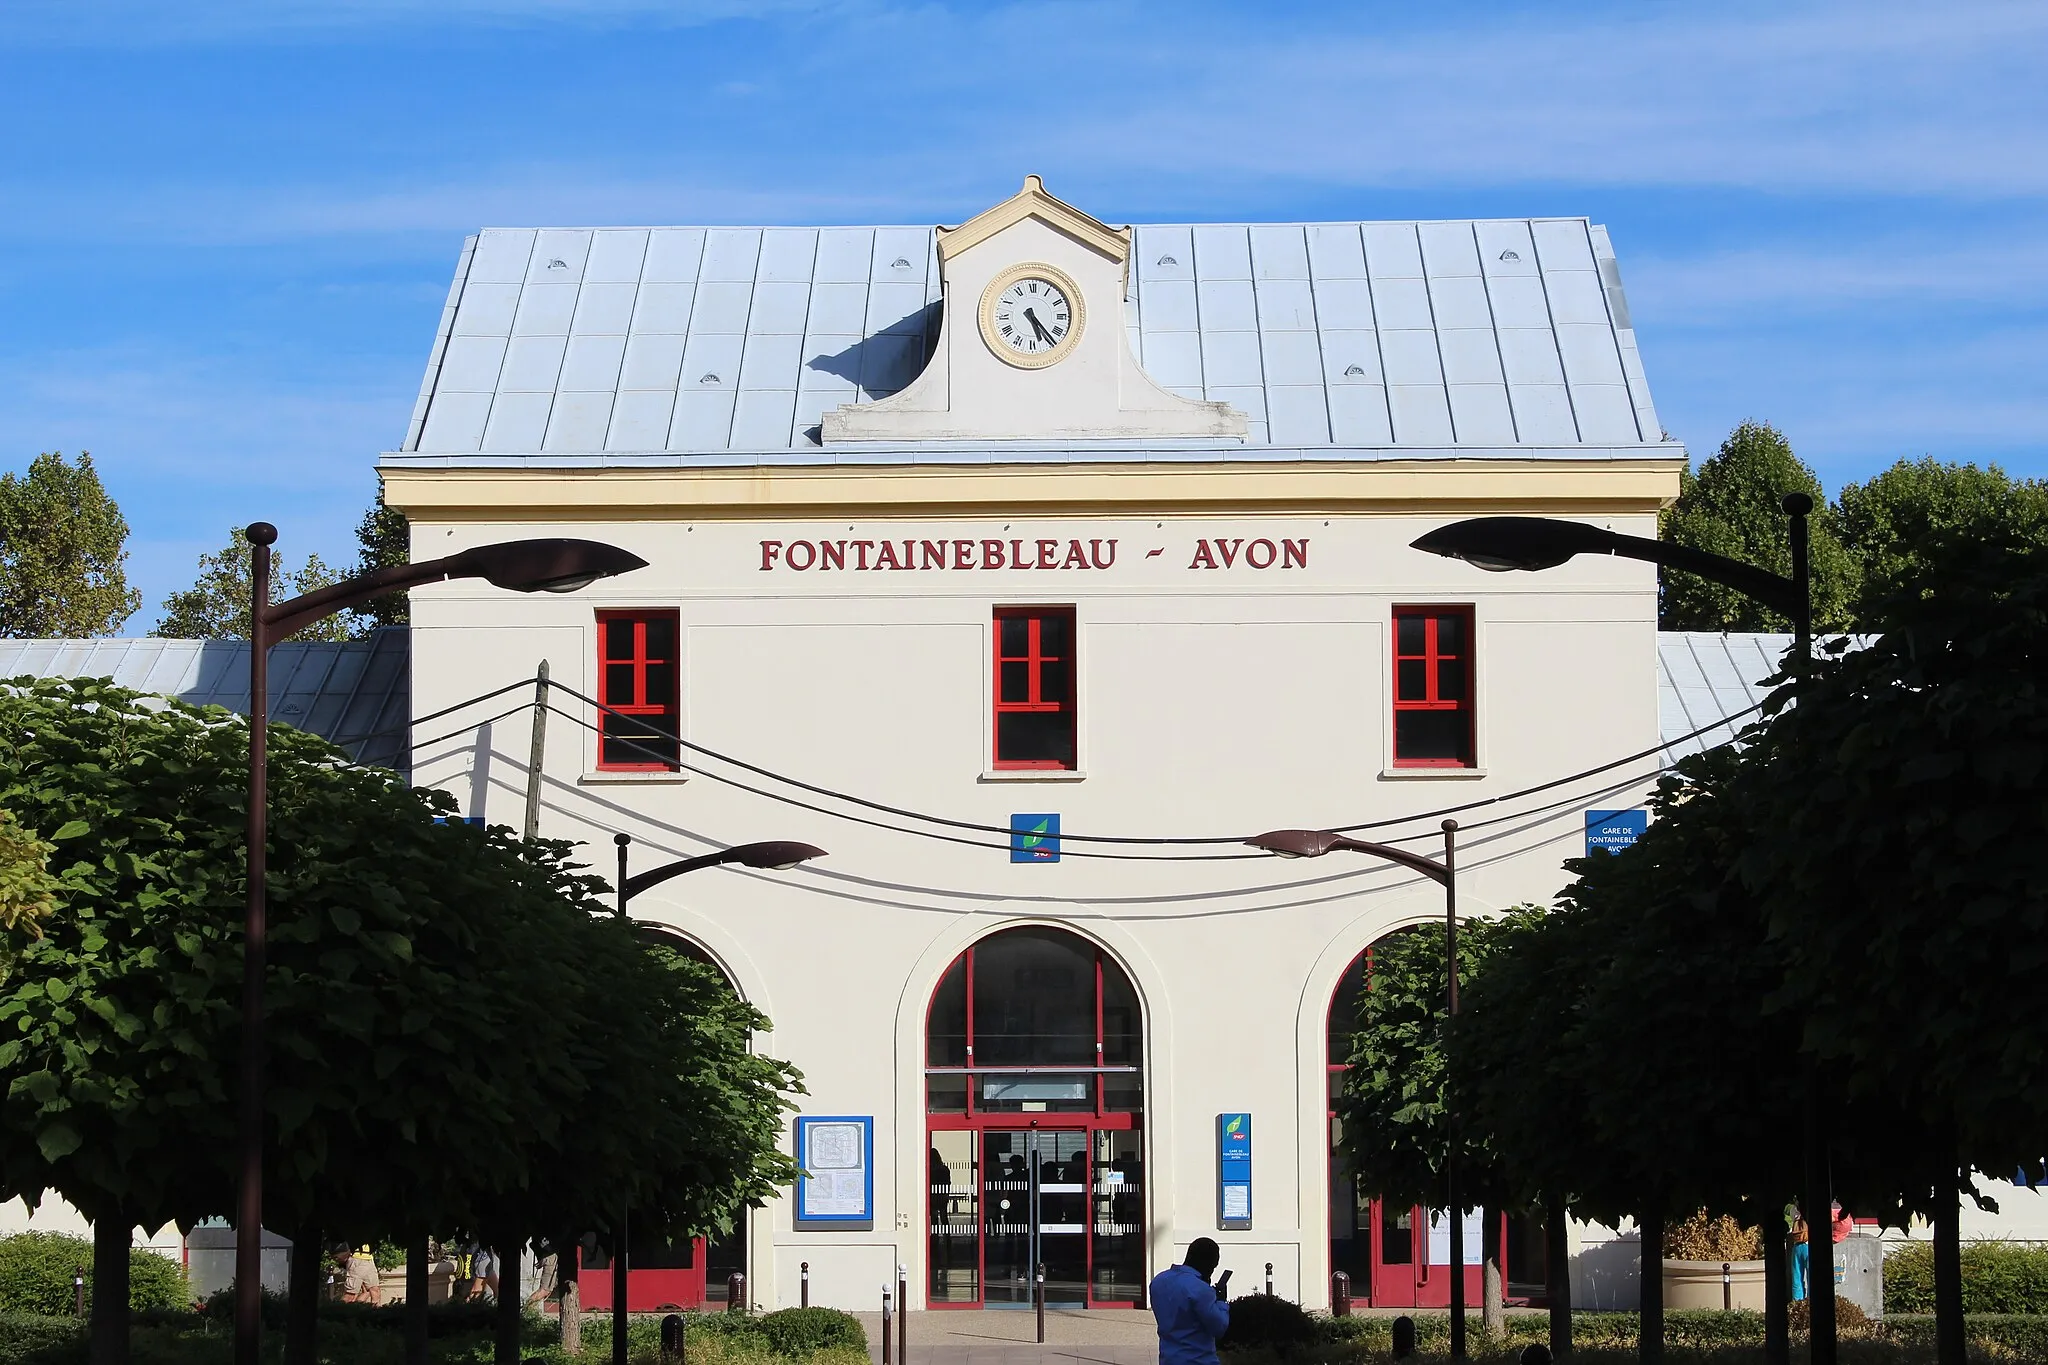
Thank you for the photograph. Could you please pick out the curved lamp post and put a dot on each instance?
(776, 855)
(1503, 544)
(520, 565)
(1314, 843)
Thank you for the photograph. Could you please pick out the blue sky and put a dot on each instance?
(228, 225)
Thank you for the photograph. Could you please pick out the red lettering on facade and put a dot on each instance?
(1017, 559)
(769, 550)
(1251, 553)
(860, 559)
(932, 554)
(963, 554)
(1294, 553)
(1077, 558)
(909, 556)
(885, 556)
(1095, 553)
(1228, 549)
(810, 555)
(991, 554)
(1203, 559)
(831, 555)
(1048, 554)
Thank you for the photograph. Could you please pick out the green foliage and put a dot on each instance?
(1267, 1321)
(384, 540)
(36, 1269)
(1998, 1277)
(800, 1332)
(1391, 1109)
(28, 892)
(1731, 507)
(61, 553)
(216, 606)
(37, 1339)
(403, 951)
(1901, 843)
(1890, 522)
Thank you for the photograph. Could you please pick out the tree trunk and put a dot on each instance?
(1777, 1290)
(418, 1266)
(571, 1295)
(1493, 1309)
(112, 1239)
(1557, 1274)
(1949, 1347)
(1650, 1296)
(302, 1309)
(509, 1306)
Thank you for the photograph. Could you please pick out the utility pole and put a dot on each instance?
(537, 756)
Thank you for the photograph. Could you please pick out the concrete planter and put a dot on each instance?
(1697, 1284)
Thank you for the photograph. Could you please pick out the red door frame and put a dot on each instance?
(647, 1291)
(1418, 1284)
(1102, 1120)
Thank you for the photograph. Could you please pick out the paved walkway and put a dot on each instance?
(1008, 1336)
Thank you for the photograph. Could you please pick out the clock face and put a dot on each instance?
(1031, 315)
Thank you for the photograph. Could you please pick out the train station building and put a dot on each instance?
(1028, 567)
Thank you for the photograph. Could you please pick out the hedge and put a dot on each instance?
(799, 1332)
(31, 1337)
(36, 1270)
(1998, 1277)
(1690, 1327)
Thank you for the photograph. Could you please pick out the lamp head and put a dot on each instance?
(778, 856)
(1296, 843)
(555, 565)
(1502, 544)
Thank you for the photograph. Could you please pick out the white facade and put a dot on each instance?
(1233, 570)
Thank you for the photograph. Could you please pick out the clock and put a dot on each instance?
(1032, 315)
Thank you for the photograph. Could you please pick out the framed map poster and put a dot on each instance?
(837, 1188)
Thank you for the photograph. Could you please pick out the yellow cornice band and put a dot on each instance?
(765, 492)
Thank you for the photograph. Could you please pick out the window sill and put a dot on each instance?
(606, 778)
(1426, 774)
(1034, 775)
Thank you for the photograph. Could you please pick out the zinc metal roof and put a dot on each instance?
(1501, 334)
(1704, 677)
(357, 693)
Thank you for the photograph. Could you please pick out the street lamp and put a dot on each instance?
(1503, 544)
(522, 566)
(774, 856)
(1314, 843)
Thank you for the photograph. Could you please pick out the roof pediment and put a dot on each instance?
(1033, 202)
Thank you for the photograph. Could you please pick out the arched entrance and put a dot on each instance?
(662, 1275)
(1034, 1101)
(1396, 1257)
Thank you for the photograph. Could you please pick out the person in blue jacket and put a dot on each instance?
(1192, 1314)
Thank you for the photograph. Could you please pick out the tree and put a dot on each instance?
(1731, 507)
(27, 890)
(1889, 523)
(216, 607)
(435, 991)
(1395, 1123)
(1902, 848)
(384, 539)
(61, 553)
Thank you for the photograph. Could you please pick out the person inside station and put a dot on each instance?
(1840, 1224)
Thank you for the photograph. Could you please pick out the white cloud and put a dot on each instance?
(1807, 278)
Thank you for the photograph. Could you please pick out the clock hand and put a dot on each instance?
(1031, 317)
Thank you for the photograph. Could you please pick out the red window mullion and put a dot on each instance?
(662, 712)
(1432, 657)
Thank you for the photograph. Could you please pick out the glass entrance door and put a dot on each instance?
(1035, 1212)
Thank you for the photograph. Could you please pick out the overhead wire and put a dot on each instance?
(1066, 838)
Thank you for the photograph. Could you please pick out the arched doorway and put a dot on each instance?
(1396, 1257)
(663, 1275)
(1034, 1101)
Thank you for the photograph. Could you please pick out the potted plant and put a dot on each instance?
(1695, 1252)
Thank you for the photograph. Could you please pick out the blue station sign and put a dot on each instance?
(1611, 831)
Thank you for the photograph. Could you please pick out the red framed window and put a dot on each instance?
(639, 684)
(1034, 686)
(1433, 711)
